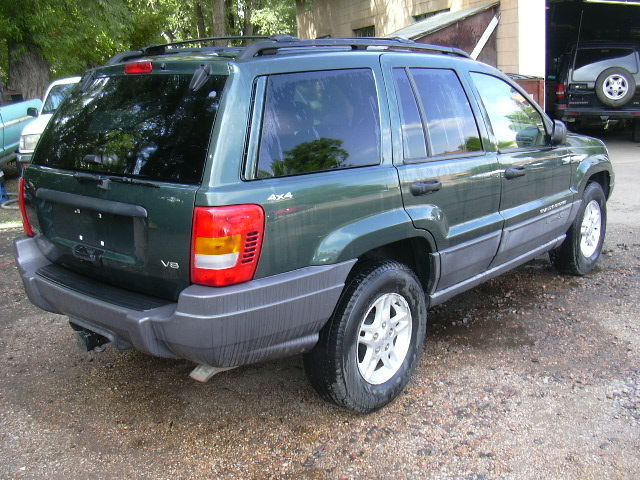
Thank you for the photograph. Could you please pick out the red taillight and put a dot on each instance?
(226, 244)
(26, 224)
(561, 91)
(138, 68)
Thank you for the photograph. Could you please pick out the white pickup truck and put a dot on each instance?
(55, 94)
(13, 117)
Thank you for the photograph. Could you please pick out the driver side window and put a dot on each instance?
(514, 120)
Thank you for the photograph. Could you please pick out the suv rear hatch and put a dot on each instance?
(587, 66)
(114, 176)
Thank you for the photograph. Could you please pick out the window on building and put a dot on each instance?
(422, 16)
(413, 140)
(514, 120)
(317, 121)
(450, 124)
(369, 31)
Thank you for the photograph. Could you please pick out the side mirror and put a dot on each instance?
(559, 134)
(32, 112)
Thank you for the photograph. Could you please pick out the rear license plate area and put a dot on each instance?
(99, 230)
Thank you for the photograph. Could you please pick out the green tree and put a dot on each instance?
(314, 156)
(275, 17)
(44, 39)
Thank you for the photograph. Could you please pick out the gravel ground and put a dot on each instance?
(532, 375)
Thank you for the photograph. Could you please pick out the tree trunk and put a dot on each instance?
(202, 29)
(1, 92)
(247, 28)
(28, 71)
(219, 19)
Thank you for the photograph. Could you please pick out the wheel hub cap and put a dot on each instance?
(590, 229)
(384, 338)
(615, 87)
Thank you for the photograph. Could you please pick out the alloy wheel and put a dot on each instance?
(384, 338)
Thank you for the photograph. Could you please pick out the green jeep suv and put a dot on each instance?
(229, 205)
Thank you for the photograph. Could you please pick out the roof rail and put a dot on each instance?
(162, 48)
(271, 46)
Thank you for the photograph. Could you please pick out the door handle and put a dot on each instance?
(424, 187)
(514, 172)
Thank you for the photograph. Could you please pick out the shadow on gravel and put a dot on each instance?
(132, 387)
(134, 390)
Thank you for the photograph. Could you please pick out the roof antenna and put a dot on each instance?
(575, 54)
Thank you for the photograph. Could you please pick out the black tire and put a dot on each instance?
(568, 258)
(635, 130)
(600, 90)
(332, 366)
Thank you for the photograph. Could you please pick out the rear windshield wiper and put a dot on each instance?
(103, 182)
(133, 181)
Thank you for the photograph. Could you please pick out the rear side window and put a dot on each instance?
(317, 121)
(413, 139)
(514, 120)
(146, 126)
(450, 124)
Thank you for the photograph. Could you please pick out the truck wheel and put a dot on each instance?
(615, 87)
(635, 130)
(581, 249)
(371, 345)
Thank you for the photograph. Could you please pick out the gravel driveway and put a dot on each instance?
(532, 375)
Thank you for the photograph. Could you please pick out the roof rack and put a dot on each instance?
(162, 48)
(271, 46)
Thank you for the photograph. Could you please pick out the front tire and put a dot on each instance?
(635, 130)
(580, 251)
(369, 348)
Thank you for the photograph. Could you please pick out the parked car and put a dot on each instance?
(55, 94)
(13, 117)
(597, 84)
(233, 205)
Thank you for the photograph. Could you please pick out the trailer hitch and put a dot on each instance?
(87, 340)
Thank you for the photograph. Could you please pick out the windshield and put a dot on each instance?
(56, 95)
(145, 126)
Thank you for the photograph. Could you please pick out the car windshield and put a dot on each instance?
(56, 95)
(144, 126)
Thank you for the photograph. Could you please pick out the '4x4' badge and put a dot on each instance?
(274, 197)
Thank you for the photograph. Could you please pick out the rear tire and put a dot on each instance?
(343, 367)
(581, 249)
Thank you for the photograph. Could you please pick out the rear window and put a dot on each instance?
(148, 126)
(316, 121)
(591, 62)
(588, 56)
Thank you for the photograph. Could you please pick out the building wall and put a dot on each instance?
(520, 34)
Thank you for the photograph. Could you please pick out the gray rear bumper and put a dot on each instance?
(262, 319)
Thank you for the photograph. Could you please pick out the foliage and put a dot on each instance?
(73, 35)
(315, 156)
(277, 17)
